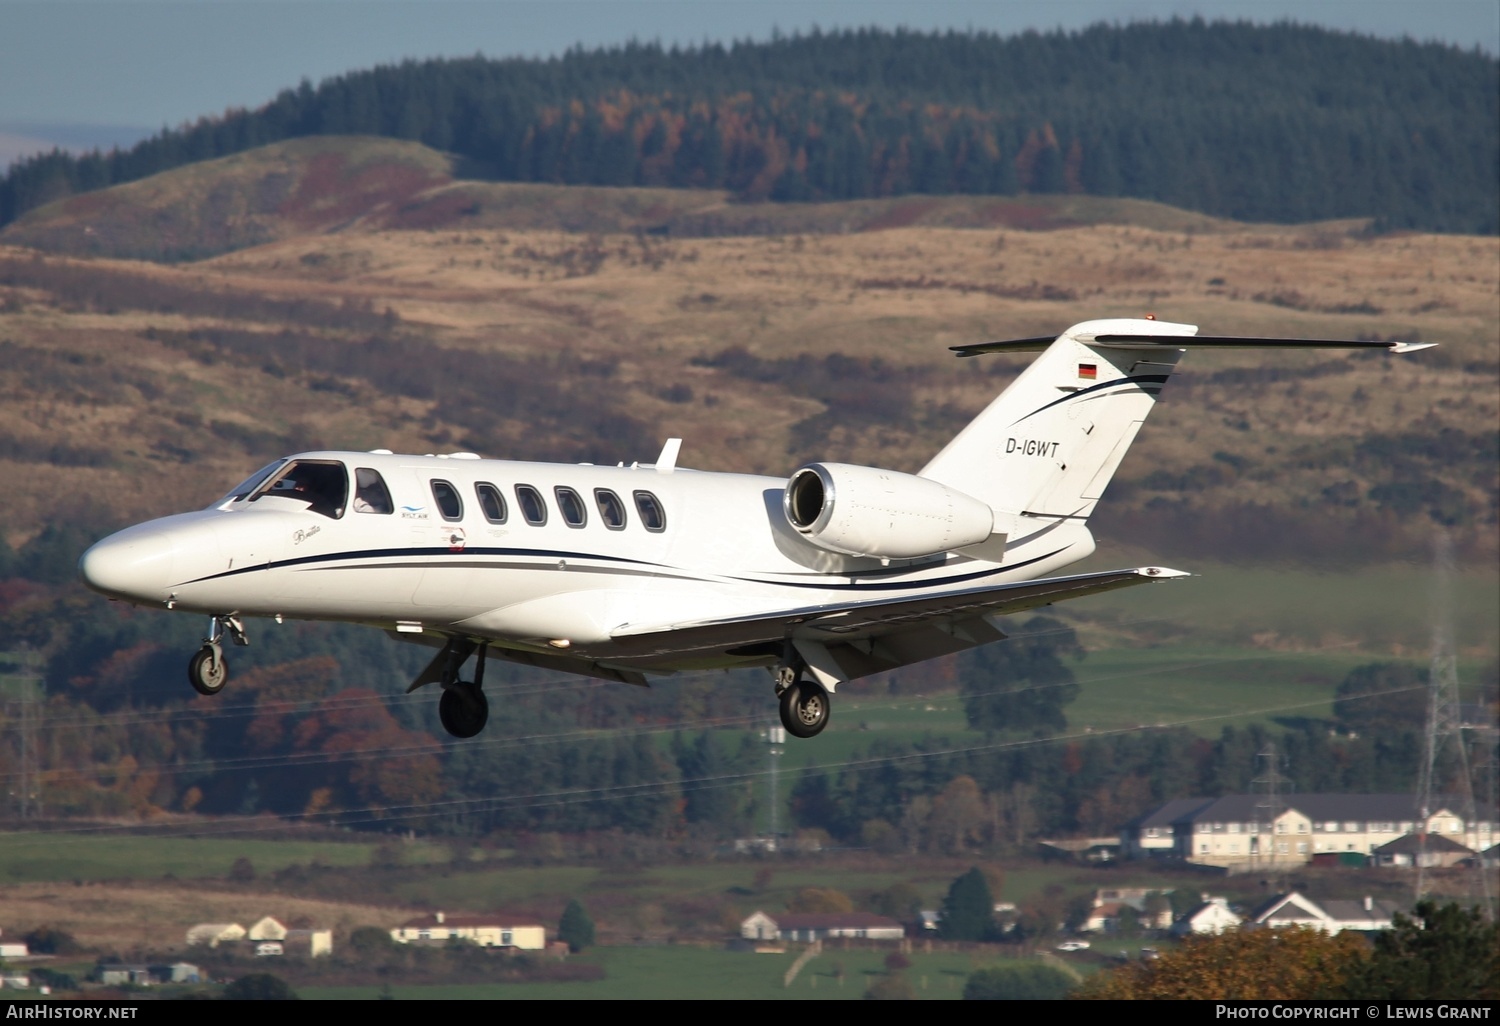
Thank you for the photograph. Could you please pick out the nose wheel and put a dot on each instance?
(804, 708)
(208, 670)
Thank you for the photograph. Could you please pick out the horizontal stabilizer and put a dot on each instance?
(1117, 341)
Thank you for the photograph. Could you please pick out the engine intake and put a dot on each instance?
(863, 511)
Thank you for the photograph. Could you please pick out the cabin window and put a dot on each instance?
(250, 483)
(652, 515)
(448, 502)
(611, 509)
(532, 506)
(570, 505)
(492, 502)
(370, 492)
(322, 484)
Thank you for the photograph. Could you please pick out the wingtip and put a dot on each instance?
(1412, 347)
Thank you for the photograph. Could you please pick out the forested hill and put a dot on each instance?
(1265, 123)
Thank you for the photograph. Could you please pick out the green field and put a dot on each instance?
(680, 972)
(110, 856)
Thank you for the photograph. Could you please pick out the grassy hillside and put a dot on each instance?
(338, 184)
(546, 325)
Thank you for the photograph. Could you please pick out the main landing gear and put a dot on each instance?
(208, 670)
(805, 704)
(463, 709)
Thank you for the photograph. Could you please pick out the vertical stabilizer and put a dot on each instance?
(1050, 443)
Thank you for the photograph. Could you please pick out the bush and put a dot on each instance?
(49, 940)
(259, 987)
(370, 940)
(1018, 983)
(576, 929)
(895, 987)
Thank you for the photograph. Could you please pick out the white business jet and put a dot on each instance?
(624, 572)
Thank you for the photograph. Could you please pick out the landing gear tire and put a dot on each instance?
(463, 709)
(208, 670)
(804, 709)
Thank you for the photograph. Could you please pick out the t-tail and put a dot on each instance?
(1047, 447)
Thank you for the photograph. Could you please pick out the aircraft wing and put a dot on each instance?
(846, 640)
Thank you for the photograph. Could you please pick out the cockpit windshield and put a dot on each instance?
(250, 483)
(322, 484)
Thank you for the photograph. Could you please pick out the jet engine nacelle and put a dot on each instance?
(862, 511)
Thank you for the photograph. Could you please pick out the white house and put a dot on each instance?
(214, 934)
(1248, 831)
(312, 943)
(488, 931)
(13, 950)
(1212, 916)
(811, 926)
(1111, 902)
(266, 929)
(1333, 916)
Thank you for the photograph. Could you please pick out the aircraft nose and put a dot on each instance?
(133, 564)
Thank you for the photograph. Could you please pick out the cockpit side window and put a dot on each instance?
(449, 504)
(322, 484)
(370, 492)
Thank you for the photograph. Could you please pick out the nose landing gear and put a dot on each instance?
(208, 670)
(805, 703)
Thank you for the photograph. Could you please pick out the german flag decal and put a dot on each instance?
(1088, 371)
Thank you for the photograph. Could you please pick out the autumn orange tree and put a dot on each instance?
(1290, 964)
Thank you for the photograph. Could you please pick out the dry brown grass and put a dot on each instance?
(653, 304)
(156, 917)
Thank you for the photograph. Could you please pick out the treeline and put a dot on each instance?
(1272, 123)
(316, 727)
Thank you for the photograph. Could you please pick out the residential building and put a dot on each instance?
(312, 943)
(214, 934)
(15, 981)
(1245, 831)
(1332, 916)
(1212, 916)
(15, 949)
(176, 972)
(811, 926)
(1413, 850)
(266, 929)
(118, 975)
(487, 931)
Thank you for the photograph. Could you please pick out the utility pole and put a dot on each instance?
(25, 690)
(775, 738)
(1445, 730)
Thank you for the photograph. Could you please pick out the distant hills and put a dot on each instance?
(1279, 123)
(339, 183)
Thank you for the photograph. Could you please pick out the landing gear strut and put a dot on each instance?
(804, 703)
(463, 709)
(208, 670)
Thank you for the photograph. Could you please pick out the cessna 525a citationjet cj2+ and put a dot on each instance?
(623, 572)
